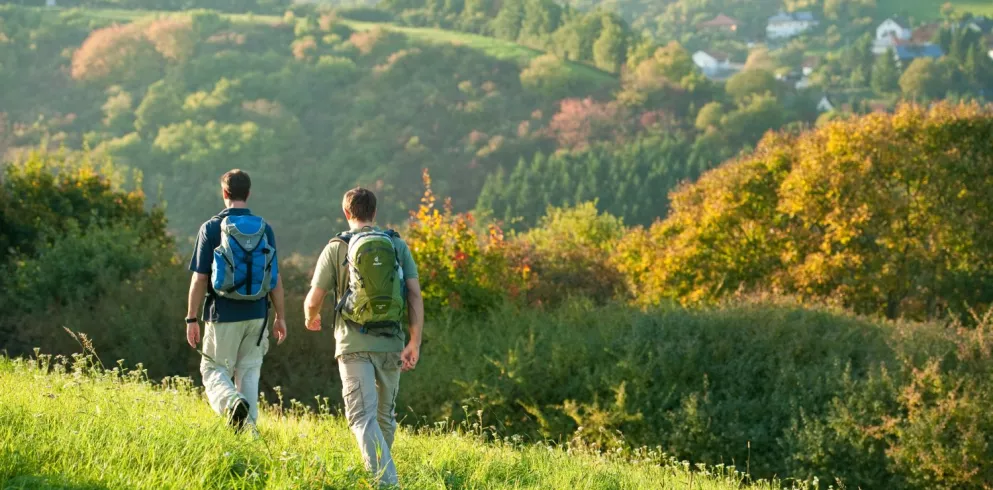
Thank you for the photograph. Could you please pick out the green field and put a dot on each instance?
(101, 430)
(931, 9)
(497, 48)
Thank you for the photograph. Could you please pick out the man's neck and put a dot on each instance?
(235, 204)
(358, 225)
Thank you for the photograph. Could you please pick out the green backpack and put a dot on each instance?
(374, 300)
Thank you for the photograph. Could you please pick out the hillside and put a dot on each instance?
(497, 48)
(931, 9)
(78, 427)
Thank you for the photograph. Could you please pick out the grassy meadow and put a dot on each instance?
(931, 9)
(74, 425)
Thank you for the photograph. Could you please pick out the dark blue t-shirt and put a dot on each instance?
(217, 309)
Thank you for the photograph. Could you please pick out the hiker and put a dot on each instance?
(235, 268)
(371, 274)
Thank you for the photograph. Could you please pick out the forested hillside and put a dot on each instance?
(313, 104)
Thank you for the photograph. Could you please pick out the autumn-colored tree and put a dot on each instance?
(884, 213)
(122, 54)
(173, 37)
(582, 121)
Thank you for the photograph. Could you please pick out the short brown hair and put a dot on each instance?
(236, 184)
(360, 204)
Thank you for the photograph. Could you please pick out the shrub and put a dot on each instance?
(884, 213)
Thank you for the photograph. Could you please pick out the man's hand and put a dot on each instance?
(410, 356)
(314, 325)
(279, 330)
(193, 334)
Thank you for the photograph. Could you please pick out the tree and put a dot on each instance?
(751, 82)
(925, 78)
(547, 75)
(710, 116)
(117, 54)
(610, 48)
(886, 74)
(160, 107)
(760, 59)
(507, 24)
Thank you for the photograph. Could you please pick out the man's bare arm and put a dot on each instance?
(198, 288)
(278, 304)
(415, 311)
(312, 308)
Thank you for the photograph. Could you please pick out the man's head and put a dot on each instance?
(359, 205)
(235, 186)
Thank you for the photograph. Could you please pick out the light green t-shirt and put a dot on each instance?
(332, 276)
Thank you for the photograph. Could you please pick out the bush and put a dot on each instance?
(884, 213)
(772, 387)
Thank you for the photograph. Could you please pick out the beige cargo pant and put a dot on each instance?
(370, 381)
(232, 364)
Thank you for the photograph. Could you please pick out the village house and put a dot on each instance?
(720, 23)
(786, 25)
(715, 64)
(825, 104)
(906, 53)
(889, 34)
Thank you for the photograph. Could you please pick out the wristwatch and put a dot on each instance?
(191, 320)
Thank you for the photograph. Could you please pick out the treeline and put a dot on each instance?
(230, 6)
(600, 38)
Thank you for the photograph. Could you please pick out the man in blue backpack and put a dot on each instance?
(235, 268)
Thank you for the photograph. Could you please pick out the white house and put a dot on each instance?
(786, 25)
(50, 3)
(825, 105)
(890, 33)
(715, 65)
(711, 60)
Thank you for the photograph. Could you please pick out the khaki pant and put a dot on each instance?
(232, 364)
(370, 381)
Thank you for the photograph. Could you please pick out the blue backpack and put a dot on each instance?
(245, 266)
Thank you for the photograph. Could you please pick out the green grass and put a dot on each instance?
(61, 428)
(497, 48)
(931, 9)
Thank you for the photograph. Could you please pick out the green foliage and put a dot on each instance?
(783, 390)
(629, 181)
(885, 74)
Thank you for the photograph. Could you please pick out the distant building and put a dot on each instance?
(786, 25)
(50, 3)
(825, 104)
(715, 64)
(889, 34)
(925, 34)
(720, 23)
(907, 53)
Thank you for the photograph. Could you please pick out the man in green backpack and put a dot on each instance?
(372, 276)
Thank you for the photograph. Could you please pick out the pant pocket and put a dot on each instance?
(351, 392)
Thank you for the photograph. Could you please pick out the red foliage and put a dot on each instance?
(581, 122)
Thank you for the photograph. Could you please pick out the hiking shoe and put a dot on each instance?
(238, 415)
